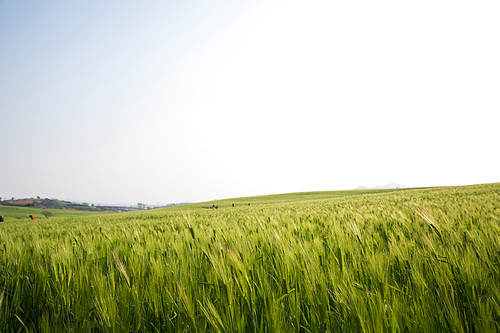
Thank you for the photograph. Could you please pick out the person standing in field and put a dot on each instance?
(1, 218)
(32, 218)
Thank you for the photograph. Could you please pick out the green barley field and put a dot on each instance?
(408, 260)
(12, 213)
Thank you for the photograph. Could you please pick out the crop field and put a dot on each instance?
(283, 198)
(412, 260)
(12, 213)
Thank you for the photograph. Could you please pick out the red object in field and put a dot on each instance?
(32, 217)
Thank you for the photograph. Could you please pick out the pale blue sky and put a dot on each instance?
(170, 101)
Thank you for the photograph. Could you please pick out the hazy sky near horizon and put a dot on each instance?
(171, 101)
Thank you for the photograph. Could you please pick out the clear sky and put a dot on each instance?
(119, 102)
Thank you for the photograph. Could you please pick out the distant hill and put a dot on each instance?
(388, 186)
(61, 204)
(38, 203)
